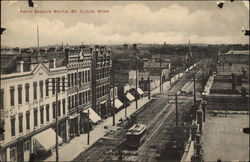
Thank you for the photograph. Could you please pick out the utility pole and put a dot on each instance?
(136, 86)
(113, 72)
(88, 129)
(160, 74)
(177, 112)
(57, 88)
(194, 91)
(149, 90)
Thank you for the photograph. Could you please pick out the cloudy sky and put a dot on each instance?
(131, 22)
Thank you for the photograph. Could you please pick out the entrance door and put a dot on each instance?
(20, 152)
(26, 150)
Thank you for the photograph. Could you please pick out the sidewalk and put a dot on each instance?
(69, 151)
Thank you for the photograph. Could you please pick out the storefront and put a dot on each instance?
(74, 125)
(45, 142)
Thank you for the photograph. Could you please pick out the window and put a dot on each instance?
(86, 94)
(35, 118)
(27, 92)
(54, 110)
(28, 120)
(76, 82)
(76, 100)
(20, 88)
(47, 87)
(80, 78)
(73, 101)
(26, 146)
(83, 97)
(13, 154)
(47, 112)
(2, 126)
(12, 96)
(72, 79)
(58, 85)
(41, 114)
(35, 91)
(69, 103)
(20, 119)
(13, 126)
(53, 86)
(88, 75)
(89, 94)
(85, 76)
(59, 108)
(63, 83)
(80, 98)
(69, 80)
(83, 79)
(63, 107)
(41, 89)
(103, 90)
(1, 98)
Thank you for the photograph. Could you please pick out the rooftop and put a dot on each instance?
(223, 138)
(240, 52)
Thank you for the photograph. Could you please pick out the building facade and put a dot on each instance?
(79, 90)
(28, 108)
(101, 68)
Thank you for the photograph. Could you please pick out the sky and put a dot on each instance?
(172, 22)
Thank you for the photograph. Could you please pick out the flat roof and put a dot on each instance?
(223, 138)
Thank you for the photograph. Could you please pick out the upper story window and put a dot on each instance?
(12, 96)
(63, 83)
(58, 87)
(1, 98)
(47, 87)
(13, 126)
(35, 90)
(2, 125)
(63, 106)
(69, 80)
(53, 86)
(27, 92)
(35, 118)
(72, 79)
(41, 88)
(88, 75)
(20, 96)
(20, 119)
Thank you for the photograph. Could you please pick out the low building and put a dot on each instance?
(236, 62)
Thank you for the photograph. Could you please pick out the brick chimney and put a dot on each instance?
(20, 67)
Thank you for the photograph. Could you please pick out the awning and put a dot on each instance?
(46, 140)
(118, 103)
(93, 116)
(130, 97)
(74, 116)
(140, 91)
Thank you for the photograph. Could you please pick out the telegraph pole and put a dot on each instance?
(160, 74)
(194, 91)
(149, 90)
(136, 86)
(113, 72)
(57, 88)
(88, 129)
(177, 112)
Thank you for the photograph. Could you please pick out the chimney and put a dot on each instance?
(20, 67)
(54, 63)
